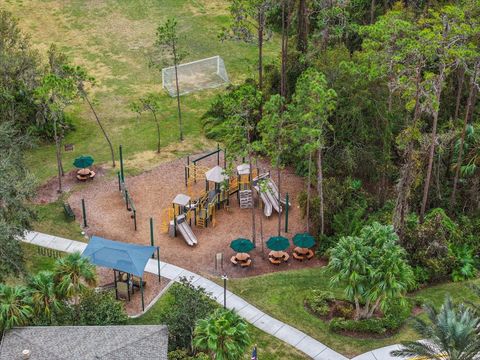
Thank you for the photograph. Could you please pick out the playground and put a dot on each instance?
(204, 220)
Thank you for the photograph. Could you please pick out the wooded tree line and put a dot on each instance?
(374, 103)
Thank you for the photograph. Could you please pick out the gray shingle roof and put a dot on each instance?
(146, 342)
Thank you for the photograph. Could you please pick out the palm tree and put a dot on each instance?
(224, 335)
(450, 334)
(15, 309)
(71, 274)
(43, 293)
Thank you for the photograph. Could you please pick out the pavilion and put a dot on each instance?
(121, 257)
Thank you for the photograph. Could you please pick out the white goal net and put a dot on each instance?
(196, 75)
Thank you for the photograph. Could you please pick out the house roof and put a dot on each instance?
(130, 258)
(146, 342)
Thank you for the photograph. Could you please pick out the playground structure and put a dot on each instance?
(219, 187)
(270, 198)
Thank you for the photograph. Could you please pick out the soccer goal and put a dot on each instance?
(196, 75)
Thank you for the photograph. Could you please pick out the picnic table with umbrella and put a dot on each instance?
(303, 242)
(242, 247)
(83, 163)
(278, 245)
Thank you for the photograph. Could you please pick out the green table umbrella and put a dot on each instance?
(83, 162)
(304, 240)
(278, 243)
(242, 245)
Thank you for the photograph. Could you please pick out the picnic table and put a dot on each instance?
(277, 257)
(242, 259)
(85, 174)
(302, 253)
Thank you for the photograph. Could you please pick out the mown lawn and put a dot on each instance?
(282, 296)
(269, 348)
(51, 220)
(112, 38)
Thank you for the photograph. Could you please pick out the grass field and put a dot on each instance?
(110, 39)
(269, 348)
(284, 300)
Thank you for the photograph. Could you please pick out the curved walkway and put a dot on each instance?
(301, 341)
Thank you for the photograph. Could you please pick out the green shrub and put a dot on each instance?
(101, 308)
(394, 316)
(182, 354)
(421, 274)
(464, 266)
(319, 301)
(343, 310)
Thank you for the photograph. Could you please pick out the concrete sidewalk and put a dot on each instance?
(301, 341)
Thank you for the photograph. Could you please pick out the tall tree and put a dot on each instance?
(57, 90)
(82, 78)
(240, 128)
(151, 103)
(443, 39)
(302, 23)
(224, 335)
(313, 103)
(19, 75)
(250, 25)
(274, 131)
(468, 110)
(451, 331)
(17, 188)
(167, 42)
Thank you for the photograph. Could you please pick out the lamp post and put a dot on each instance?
(224, 278)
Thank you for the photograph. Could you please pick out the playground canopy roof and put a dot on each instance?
(243, 169)
(216, 175)
(181, 199)
(130, 258)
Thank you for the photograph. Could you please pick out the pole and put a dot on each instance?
(115, 282)
(84, 213)
(141, 290)
(119, 181)
(286, 212)
(151, 235)
(225, 278)
(158, 264)
(121, 163)
(218, 154)
(126, 199)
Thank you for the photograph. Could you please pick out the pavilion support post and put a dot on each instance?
(128, 286)
(115, 282)
(158, 264)
(141, 290)
(152, 240)
(135, 219)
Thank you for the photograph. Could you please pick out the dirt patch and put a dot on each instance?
(152, 288)
(153, 192)
(47, 193)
